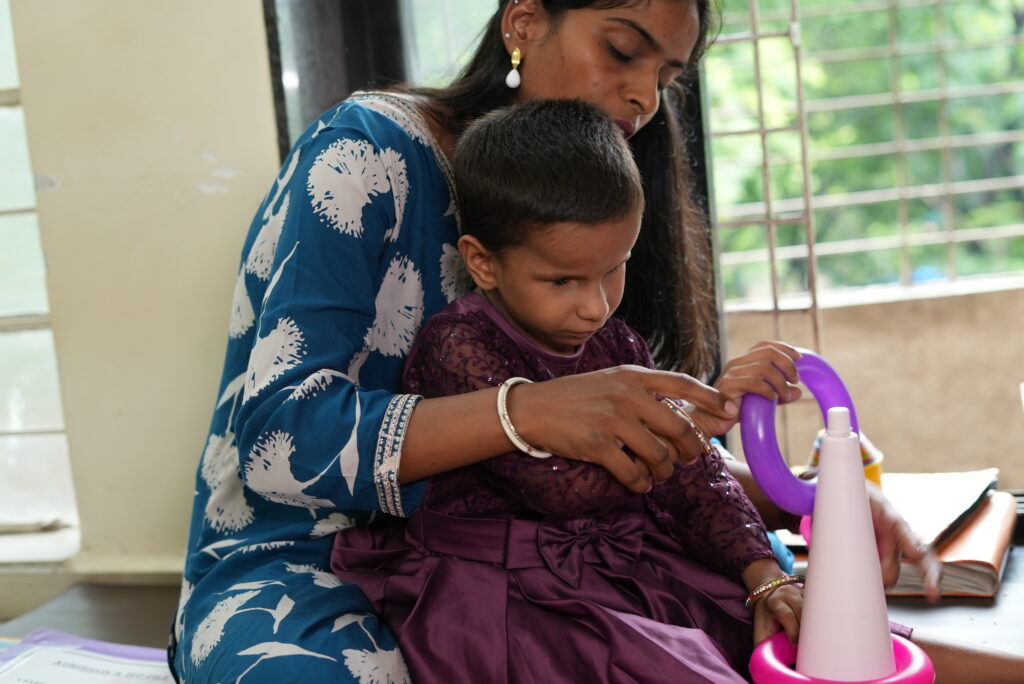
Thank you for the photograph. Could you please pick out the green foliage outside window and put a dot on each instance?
(958, 70)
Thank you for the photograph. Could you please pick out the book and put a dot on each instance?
(936, 504)
(46, 655)
(974, 556)
(933, 504)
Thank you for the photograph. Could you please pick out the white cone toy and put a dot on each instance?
(844, 628)
(844, 631)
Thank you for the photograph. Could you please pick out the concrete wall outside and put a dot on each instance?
(936, 381)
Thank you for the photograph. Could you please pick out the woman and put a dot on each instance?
(351, 250)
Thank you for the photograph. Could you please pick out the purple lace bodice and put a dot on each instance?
(469, 346)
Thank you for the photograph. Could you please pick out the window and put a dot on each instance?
(866, 145)
(440, 36)
(35, 479)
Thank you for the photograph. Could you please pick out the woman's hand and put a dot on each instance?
(592, 417)
(896, 542)
(767, 369)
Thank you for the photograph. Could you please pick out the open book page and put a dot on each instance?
(46, 655)
(933, 504)
(974, 556)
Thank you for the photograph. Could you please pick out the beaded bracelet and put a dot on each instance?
(768, 587)
(506, 422)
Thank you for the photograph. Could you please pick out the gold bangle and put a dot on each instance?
(771, 585)
(701, 437)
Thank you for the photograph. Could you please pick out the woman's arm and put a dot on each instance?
(588, 417)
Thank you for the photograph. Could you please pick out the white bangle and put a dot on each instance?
(506, 422)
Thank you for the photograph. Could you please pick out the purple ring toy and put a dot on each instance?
(761, 444)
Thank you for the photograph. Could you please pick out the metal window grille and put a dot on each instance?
(935, 216)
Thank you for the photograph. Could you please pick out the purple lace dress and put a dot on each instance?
(519, 569)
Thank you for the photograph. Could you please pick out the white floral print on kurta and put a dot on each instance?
(356, 364)
(262, 546)
(226, 509)
(399, 307)
(414, 128)
(268, 471)
(242, 314)
(327, 580)
(315, 383)
(260, 260)
(211, 629)
(261, 256)
(348, 457)
(395, 169)
(343, 179)
(272, 355)
(331, 524)
(454, 277)
(380, 666)
(179, 616)
(275, 649)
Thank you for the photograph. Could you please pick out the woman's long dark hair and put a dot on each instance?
(669, 297)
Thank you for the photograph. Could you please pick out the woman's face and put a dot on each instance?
(618, 59)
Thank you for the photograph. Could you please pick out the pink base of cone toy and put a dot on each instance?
(774, 658)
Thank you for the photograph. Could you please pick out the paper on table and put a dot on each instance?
(53, 657)
(58, 664)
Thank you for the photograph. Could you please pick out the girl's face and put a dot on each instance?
(618, 59)
(562, 285)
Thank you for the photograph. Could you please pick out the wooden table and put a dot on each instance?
(997, 622)
(140, 615)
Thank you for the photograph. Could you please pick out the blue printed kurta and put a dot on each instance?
(352, 249)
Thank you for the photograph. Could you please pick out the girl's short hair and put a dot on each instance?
(542, 162)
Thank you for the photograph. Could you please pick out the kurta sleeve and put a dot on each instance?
(326, 283)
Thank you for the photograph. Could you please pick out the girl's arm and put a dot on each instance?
(781, 608)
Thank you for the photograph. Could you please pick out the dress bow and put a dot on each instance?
(565, 545)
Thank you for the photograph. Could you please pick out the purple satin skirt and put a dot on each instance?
(607, 599)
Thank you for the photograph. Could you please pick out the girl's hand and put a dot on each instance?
(592, 417)
(779, 609)
(767, 369)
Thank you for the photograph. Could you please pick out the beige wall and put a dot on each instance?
(936, 382)
(152, 125)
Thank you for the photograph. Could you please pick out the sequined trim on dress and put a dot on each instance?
(389, 451)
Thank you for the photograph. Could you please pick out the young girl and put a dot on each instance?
(532, 568)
